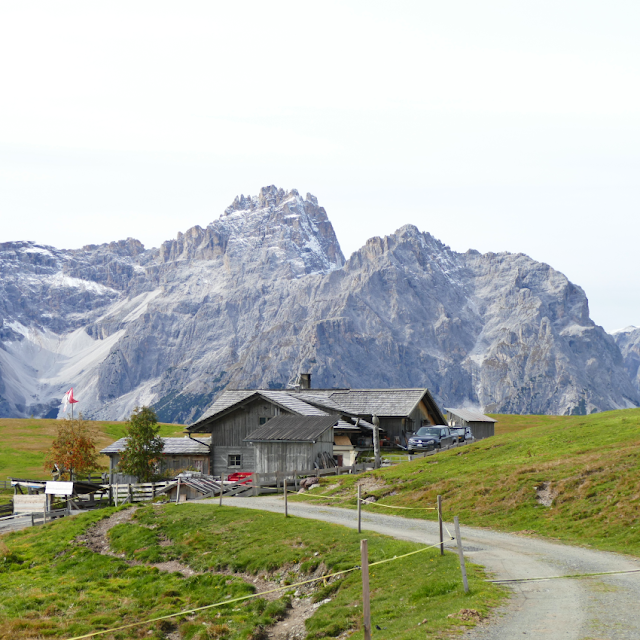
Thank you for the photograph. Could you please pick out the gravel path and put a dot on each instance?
(598, 608)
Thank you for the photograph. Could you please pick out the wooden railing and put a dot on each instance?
(143, 492)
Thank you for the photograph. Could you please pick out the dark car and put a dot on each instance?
(439, 435)
(421, 441)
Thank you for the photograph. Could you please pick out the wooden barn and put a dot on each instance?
(481, 426)
(289, 442)
(178, 454)
(237, 414)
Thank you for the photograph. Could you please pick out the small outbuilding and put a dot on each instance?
(179, 454)
(288, 443)
(481, 426)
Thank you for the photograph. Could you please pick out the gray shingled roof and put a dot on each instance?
(292, 402)
(322, 400)
(228, 399)
(172, 447)
(470, 416)
(225, 400)
(382, 402)
(311, 402)
(292, 429)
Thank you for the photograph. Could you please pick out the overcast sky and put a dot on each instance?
(498, 126)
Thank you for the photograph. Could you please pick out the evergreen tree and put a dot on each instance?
(143, 450)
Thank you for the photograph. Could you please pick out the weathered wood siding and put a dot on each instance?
(422, 414)
(229, 432)
(233, 428)
(481, 430)
(220, 459)
(272, 457)
(170, 463)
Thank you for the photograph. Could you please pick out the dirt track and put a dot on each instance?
(602, 608)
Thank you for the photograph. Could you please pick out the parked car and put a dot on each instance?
(461, 434)
(422, 440)
(439, 435)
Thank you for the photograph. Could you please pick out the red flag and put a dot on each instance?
(68, 399)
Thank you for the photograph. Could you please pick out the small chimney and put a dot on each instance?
(305, 381)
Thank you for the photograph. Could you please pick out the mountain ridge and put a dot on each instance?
(264, 292)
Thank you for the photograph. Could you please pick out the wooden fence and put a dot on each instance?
(143, 492)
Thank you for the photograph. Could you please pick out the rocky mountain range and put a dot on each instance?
(628, 340)
(264, 292)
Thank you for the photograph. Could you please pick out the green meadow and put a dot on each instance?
(25, 441)
(54, 586)
(589, 466)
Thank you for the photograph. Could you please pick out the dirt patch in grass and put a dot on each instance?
(292, 626)
(95, 538)
(370, 484)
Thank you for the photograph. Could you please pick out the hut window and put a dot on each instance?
(235, 460)
(264, 420)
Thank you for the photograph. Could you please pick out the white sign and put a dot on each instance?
(59, 488)
(29, 504)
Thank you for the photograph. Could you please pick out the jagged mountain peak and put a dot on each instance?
(265, 233)
(269, 196)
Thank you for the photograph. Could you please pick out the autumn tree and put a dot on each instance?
(73, 449)
(143, 450)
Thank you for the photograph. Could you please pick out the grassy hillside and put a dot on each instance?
(228, 549)
(588, 465)
(24, 443)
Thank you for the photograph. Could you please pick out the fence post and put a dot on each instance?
(129, 494)
(295, 480)
(440, 525)
(178, 492)
(359, 510)
(366, 607)
(286, 507)
(255, 484)
(463, 569)
(221, 488)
